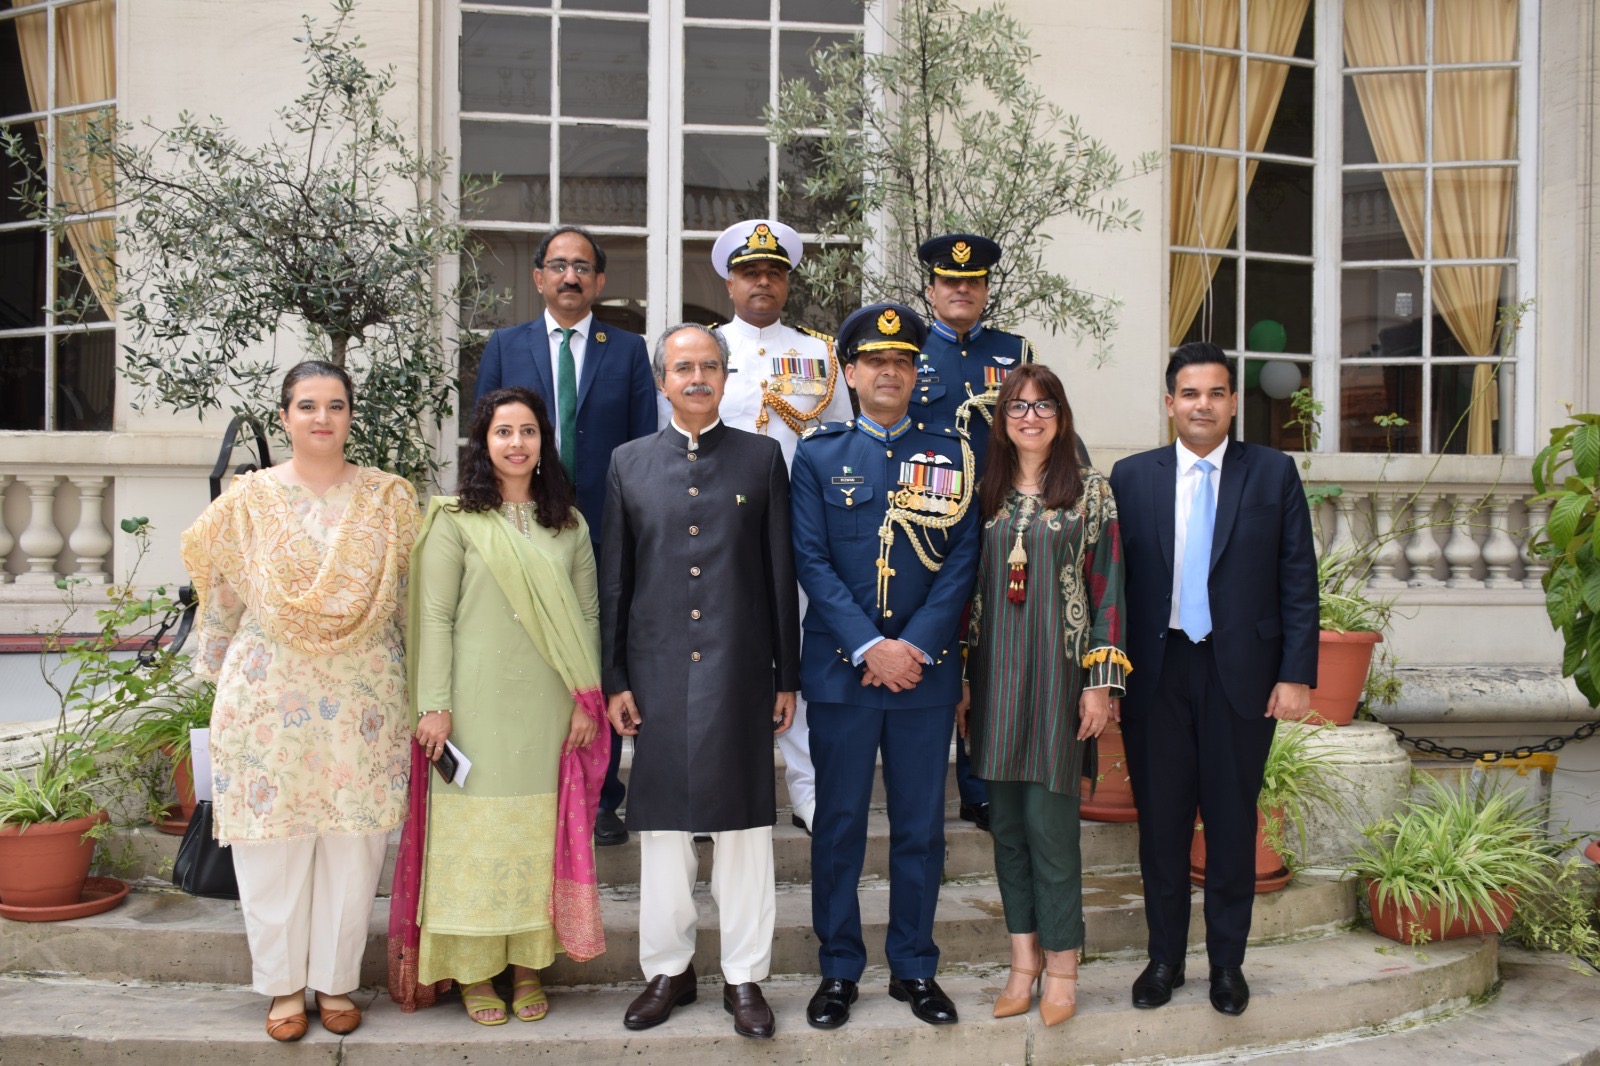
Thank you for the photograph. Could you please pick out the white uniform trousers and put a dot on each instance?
(742, 885)
(306, 907)
(795, 743)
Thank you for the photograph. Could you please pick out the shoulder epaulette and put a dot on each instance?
(1028, 354)
(826, 338)
(823, 429)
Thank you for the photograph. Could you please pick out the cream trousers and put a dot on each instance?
(741, 884)
(306, 907)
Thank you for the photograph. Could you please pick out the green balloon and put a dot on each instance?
(1267, 335)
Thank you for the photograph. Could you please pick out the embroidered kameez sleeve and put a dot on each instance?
(436, 571)
(1107, 658)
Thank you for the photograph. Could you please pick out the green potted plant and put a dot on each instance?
(1452, 862)
(161, 730)
(51, 814)
(1352, 625)
(1300, 774)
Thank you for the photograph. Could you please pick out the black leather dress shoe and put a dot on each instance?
(1230, 992)
(654, 1005)
(927, 999)
(977, 814)
(608, 829)
(1153, 988)
(751, 1015)
(830, 1003)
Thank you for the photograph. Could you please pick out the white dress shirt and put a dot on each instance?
(580, 344)
(1188, 485)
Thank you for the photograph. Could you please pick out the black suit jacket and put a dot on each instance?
(616, 396)
(1263, 582)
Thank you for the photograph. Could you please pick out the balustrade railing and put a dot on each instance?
(53, 525)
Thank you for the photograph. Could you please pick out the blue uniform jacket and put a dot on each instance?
(836, 560)
(950, 371)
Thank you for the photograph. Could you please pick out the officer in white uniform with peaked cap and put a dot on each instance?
(781, 382)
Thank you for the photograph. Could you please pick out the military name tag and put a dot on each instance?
(849, 481)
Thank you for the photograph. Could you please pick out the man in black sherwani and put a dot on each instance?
(700, 627)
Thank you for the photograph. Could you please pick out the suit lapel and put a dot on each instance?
(593, 352)
(539, 356)
(1164, 488)
(1235, 468)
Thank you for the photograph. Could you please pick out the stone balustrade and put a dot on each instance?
(53, 525)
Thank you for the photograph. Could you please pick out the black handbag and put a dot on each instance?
(204, 867)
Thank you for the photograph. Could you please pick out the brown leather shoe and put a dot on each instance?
(654, 1005)
(751, 1015)
(289, 1027)
(338, 1021)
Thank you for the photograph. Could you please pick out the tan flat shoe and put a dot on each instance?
(338, 1020)
(1011, 1006)
(288, 1028)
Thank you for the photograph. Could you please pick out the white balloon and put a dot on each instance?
(1279, 379)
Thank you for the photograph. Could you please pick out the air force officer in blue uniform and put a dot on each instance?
(886, 547)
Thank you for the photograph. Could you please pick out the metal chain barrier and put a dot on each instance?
(1554, 744)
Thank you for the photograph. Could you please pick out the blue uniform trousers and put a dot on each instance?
(845, 741)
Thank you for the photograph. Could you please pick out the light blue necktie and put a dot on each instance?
(1194, 603)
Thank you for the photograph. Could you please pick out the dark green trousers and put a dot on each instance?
(1038, 862)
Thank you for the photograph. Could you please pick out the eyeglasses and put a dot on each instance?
(558, 267)
(1020, 408)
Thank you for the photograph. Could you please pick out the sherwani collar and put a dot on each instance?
(709, 437)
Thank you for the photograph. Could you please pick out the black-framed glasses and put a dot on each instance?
(1020, 408)
(581, 267)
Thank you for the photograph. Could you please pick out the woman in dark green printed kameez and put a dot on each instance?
(1045, 666)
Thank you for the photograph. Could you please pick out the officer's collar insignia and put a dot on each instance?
(889, 323)
(961, 253)
(877, 432)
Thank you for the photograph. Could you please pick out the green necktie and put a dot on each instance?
(567, 404)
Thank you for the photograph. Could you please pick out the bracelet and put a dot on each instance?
(436, 710)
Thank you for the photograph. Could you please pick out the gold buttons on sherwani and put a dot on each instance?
(694, 571)
(694, 655)
(694, 531)
(695, 614)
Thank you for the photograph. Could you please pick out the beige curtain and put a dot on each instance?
(86, 70)
(1205, 111)
(1474, 118)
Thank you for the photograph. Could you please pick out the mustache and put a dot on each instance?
(697, 390)
(570, 286)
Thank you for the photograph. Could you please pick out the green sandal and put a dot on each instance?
(477, 1001)
(535, 999)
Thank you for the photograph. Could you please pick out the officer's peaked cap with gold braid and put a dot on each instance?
(756, 240)
(959, 255)
(881, 327)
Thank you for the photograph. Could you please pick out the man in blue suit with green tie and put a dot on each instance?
(596, 381)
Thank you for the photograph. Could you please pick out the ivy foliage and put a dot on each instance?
(1566, 474)
(943, 131)
(333, 227)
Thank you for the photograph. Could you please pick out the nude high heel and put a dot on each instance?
(1011, 1006)
(1051, 1013)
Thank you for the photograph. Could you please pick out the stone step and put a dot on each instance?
(147, 853)
(165, 935)
(1300, 990)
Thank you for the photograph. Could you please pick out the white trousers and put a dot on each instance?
(306, 907)
(798, 773)
(742, 885)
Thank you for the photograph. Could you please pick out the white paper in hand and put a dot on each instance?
(463, 765)
(200, 753)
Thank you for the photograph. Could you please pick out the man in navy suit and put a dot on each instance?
(886, 547)
(597, 383)
(1222, 632)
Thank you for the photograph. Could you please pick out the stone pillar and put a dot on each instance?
(89, 541)
(1377, 781)
(7, 542)
(41, 542)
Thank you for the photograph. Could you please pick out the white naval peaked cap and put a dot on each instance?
(756, 238)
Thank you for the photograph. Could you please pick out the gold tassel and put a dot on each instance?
(1100, 655)
(1017, 587)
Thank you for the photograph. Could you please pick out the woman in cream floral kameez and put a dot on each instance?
(299, 571)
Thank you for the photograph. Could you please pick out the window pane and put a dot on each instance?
(1472, 211)
(76, 299)
(21, 382)
(1474, 115)
(630, 6)
(794, 54)
(520, 154)
(604, 69)
(86, 380)
(25, 43)
(627, 284)
(799, 209)
(1475, 33)
(1387, 33)
(505, 64)
(1294, 126)
(1214, 24)
(86, 55)
(724, 180)
(1372, 391)
(1372, 228)
(13, 174)
(1383, 118)
(726, 76)
(1278, 28)
(1468, 302)
(1280, 292)
(848, 12)
(726, 9)
(1278, 209)
(22, 279)
(14, 99)
(603, 176)
(1194, 97)
(1218, 320)
(705, 294)
(1466, 409)
(1264, 409)
(811, 308)
(1382, 312)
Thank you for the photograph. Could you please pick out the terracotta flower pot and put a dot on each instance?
(183, 783)
(1342, 663)
(46, 864)
(1113, 792)
(1398, 921)
(1592, 852)
(1272, 872)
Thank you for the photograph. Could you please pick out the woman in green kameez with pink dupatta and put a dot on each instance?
(504, 661)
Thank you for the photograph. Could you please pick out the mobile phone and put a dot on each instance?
(446, 765)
